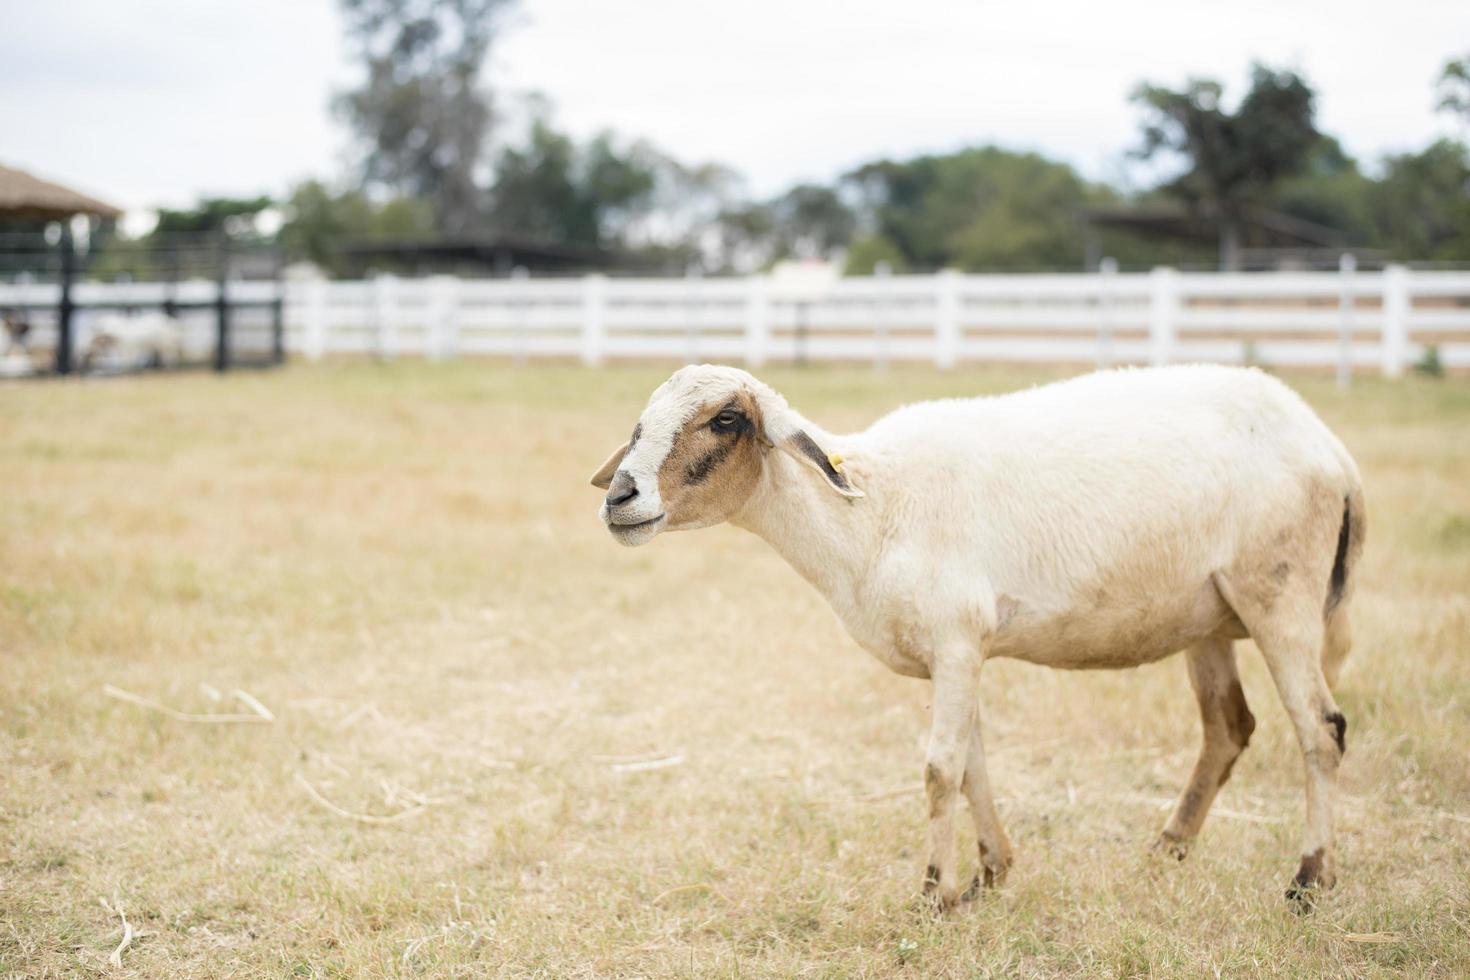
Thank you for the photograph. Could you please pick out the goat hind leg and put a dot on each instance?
(1227, 724)
(1290, 632)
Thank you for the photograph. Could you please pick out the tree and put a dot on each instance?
(318, 221)
(231, 216)
(745, 236)
(1331, 191)
(867, 252)
(421, 111)
(554, 190)
(1422, 204)
(1454, 88)
(536, 194)
(979, 209)
(1233, 159)
(811, 221)
(183, 242)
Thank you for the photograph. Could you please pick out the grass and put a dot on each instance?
(403, 564)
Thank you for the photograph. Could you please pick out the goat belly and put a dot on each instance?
(1127, 631)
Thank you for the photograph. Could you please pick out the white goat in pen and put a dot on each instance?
(128, 343)
(1106, 521)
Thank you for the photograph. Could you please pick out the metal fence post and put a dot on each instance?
(65, 307)
(1162, 307)
(946, 318)
(1396, 306)
(757, 320)
(278, 308)
(222, 307)
(594, 318)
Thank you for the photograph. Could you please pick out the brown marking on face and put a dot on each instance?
(711, 470)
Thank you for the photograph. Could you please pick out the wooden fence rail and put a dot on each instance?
(1384, 321)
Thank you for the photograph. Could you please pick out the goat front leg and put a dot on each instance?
(956, 674)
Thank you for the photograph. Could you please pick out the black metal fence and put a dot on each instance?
(224, 299)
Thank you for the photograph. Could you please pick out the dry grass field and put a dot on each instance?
(503, 745)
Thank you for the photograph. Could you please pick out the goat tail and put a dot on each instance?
(1339, 637)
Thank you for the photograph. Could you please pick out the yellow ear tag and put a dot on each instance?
(834, 460)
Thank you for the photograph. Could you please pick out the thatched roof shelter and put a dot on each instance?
(29, 198)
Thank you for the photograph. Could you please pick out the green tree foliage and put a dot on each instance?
(1454, 88)
(1233, 159)
(231, 216)
(983, 208)
(866, 252)
(744, 237)
(553, 190)
(1331, 191)
(1421, 206)
(421, 112)
(810, 221)
(183, 243)
(318, 221)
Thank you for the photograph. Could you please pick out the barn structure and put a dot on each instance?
(27, 204)
(40, 245)
(1266, 239)
(26, 199)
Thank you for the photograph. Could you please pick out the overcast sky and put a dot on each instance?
(154, 102)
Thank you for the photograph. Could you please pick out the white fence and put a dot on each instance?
(1370, 320)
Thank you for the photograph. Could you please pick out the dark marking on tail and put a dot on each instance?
(1339, 563)
(1339, 733)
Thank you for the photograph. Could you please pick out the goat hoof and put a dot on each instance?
(1302, 899)
(1171, 846)
(940, 900)
(1312, 878)
(931, 879)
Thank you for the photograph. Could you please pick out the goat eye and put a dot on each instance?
(726, 420)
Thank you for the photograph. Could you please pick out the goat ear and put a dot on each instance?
(805, 449)
(602, 479)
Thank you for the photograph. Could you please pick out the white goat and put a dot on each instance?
(1106, 521)
(126, 343)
